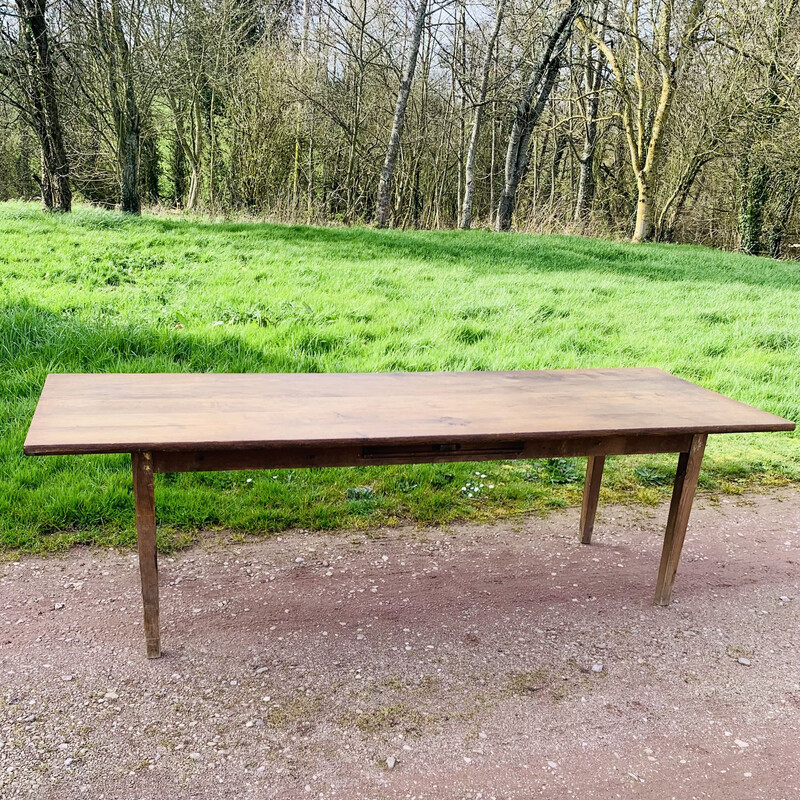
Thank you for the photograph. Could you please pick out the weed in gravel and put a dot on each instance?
(392, 717)
(527, 682)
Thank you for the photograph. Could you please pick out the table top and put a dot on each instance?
(127, 412)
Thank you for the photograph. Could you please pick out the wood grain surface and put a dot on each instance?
(180, 412)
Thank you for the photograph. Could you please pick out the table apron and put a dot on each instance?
(302, 455)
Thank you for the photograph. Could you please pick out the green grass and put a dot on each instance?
(94, 291)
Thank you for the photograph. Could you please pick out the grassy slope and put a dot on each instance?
(96, 292)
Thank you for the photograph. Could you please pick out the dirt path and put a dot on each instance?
(500, 661)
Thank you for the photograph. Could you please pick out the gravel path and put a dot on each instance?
(503, 661)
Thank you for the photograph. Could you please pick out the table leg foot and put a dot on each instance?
(144, 498)
(679, 510)
(591, 493)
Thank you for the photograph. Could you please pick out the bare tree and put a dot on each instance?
(480, 102)
(592, 82)
(119, 73)
(645, 111)
(529, 110)
(757, 168)
(29, 66)
(393, 147)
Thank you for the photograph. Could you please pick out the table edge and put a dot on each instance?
(779, 425)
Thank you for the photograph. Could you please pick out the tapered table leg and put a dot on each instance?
(679, 510)
(591, 493)
(144, 498)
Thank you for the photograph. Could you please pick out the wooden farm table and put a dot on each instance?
(192, 422)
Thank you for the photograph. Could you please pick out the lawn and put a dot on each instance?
(94, 291)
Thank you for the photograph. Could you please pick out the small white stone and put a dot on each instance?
(597, 667)
(745, 662)
(552, 765)
(194, 756)
(59, 606)
(741, 743)
(783, 598)
(68, 761)
(390, 762)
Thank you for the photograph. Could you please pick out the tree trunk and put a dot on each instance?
(130, 201)
(517, 152)
(55, 183)
(150, 166)
(124, 109)
(178, 170)
(529, 109)
(586, 185)
(130, 128)
(668, 218)
(751, 213)
(469, 166)
(24, 178)
(787, 194)
(194, 189)
(393, 147)
(194, 152)
(593, 79)
(644, 203)
(562, 140)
